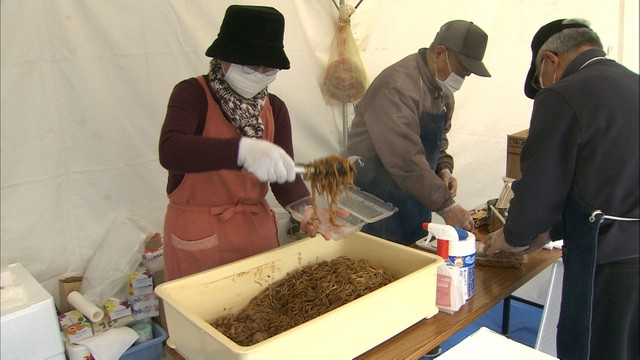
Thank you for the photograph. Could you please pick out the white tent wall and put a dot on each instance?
(85, 86)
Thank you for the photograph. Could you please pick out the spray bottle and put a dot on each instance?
(444, 234)
(458, 249)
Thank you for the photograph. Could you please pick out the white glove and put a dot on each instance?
(268, 161)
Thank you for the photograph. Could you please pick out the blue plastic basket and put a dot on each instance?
(148, 350)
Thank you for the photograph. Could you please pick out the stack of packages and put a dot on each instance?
(144, 303)
(111, 307)
(135, 312)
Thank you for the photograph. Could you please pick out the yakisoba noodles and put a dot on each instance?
(302, 296)
(328, 176)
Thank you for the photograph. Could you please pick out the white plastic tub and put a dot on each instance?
(191, 303)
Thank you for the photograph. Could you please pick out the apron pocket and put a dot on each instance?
(188, 257)
(195, 245)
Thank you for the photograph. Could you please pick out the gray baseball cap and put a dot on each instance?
(468, 41)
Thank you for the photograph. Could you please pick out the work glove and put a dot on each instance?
(266, 160)
(456, 215)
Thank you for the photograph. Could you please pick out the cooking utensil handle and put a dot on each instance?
(301, 169)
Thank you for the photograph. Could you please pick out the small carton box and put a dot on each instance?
(145, 306)
(141, 282)
(115, 309)
(141, 301)
(140, 291)
(106, 323)
(146, 312)
(66, 286)
(75, 326)
(515, 142)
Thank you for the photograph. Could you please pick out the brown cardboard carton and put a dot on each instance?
(515, 142)
(65, 286)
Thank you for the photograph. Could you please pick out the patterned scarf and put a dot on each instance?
(243, 113)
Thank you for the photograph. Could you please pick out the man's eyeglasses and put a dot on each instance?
(250, 69)
(535, 83)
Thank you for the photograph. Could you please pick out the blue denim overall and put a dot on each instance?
(404, 226)
(579, 258)
(575, 339)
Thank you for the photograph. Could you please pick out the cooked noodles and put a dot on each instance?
(302, 296)
(329, 177)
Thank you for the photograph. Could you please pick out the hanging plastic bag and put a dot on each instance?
(115, 259)
(345, 78)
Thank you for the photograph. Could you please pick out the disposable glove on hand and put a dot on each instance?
(267, 161)
(456, 215)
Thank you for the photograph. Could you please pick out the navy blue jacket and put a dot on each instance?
(583, 139)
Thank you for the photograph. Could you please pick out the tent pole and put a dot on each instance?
(345, 127)
(345, 116)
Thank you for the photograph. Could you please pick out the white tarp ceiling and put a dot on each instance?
(85, 86)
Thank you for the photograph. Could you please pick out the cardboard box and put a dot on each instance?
(75, 326)
(344, 333)
(515, 142)
(158, 278)
(30, 329)
(66, 286)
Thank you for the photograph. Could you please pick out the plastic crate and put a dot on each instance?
(190, 303)
(148, 350)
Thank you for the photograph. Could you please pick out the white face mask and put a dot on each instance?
(540, 77)
(246, 85)
(453, 82)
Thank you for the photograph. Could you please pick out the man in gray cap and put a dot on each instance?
(400, 132)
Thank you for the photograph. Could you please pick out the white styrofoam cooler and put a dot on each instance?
(29, 327)
(192, 302)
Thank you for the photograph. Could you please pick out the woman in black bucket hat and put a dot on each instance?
(225, 141)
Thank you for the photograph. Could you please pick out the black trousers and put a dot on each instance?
(615, 322)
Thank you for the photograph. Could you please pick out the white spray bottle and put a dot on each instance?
(444, 234)
(458, 249)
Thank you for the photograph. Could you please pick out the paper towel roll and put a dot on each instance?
(77, 352)
(144, 330)
(86, 307)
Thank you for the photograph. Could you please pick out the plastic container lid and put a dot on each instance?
(362, 208)
(365, 206)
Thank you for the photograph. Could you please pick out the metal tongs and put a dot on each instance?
(301, 169)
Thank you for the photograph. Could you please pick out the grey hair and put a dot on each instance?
(569, 40)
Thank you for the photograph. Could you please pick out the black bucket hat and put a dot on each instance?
(468, 41)
(251, 35)
(539, 39)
